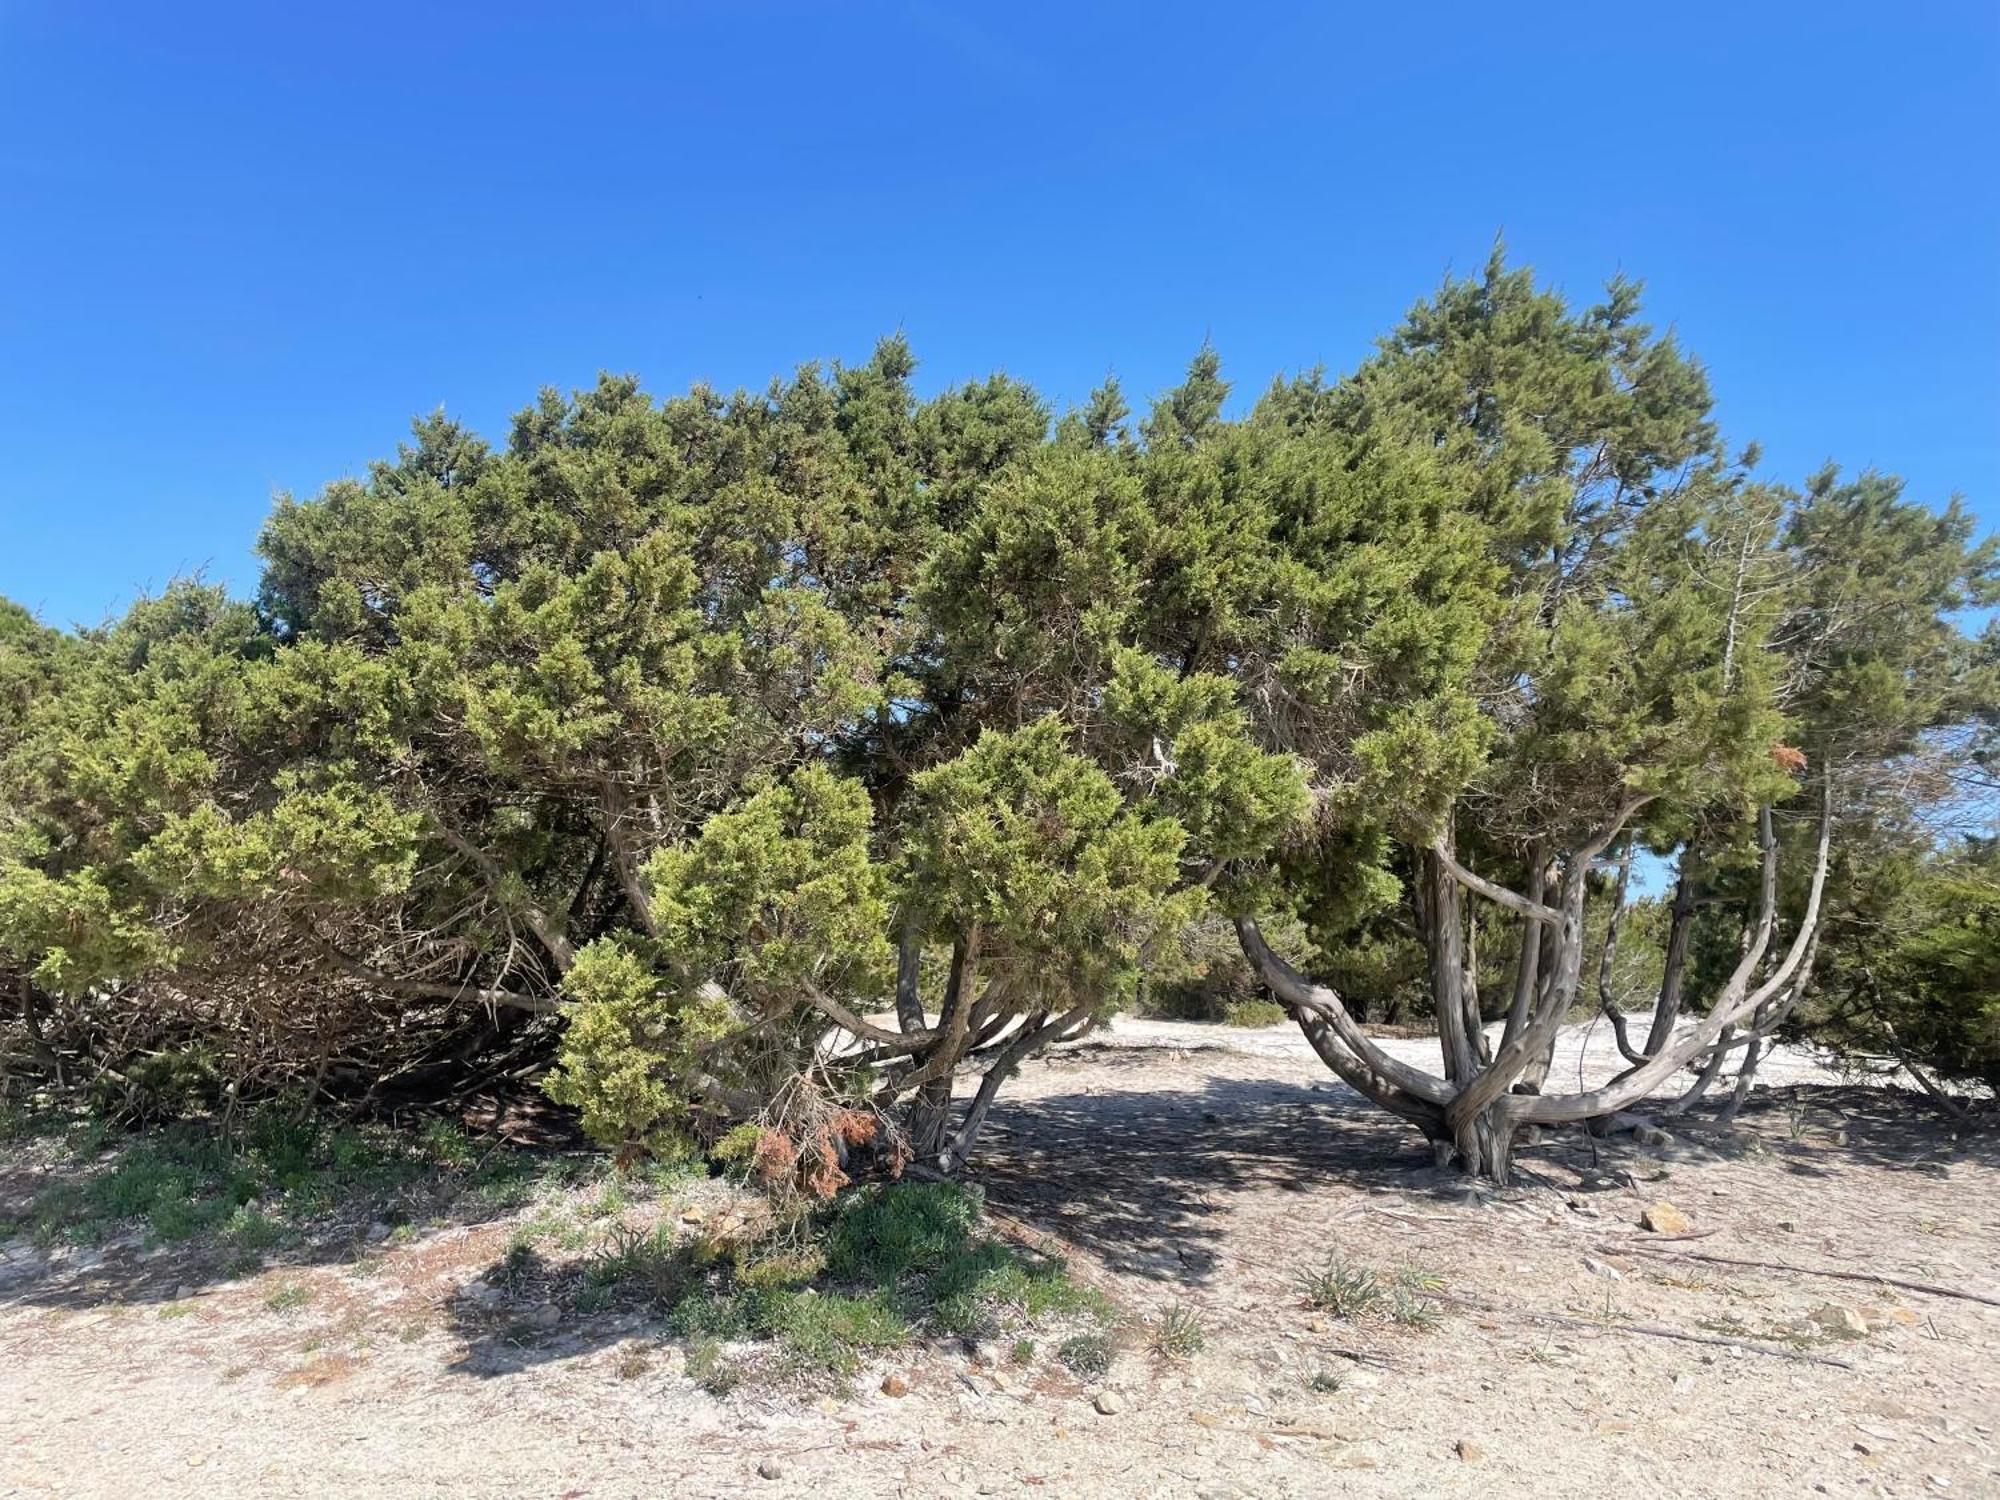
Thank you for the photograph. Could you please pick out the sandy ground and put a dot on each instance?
(1177, 1163)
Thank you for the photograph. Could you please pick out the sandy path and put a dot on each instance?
(1179, 1163)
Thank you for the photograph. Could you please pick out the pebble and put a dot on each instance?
(1469, 1451)
(895, 1385)
(1108, 1403)
(548, 1315)
(1838, 1318)
(770, 1468)
(1663, 1217)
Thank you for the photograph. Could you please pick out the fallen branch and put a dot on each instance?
(1931, 1288)
(1650, 1330)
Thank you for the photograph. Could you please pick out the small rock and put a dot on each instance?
(1880, 1318)
(895, 1385)
(770, 1468)
(1838, 1318)
(548, 1315)
(1602, 1268)
(1108, 1403)
(1470, 1451)
(1788, 1225)
(1663, 1218)
(484, 1293)
(379, 1231)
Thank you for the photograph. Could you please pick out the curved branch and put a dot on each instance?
(1499, 895)
(847, 1020)
(1375, 1072)
(1731, 1006)
(541, 1005)
(547, 933)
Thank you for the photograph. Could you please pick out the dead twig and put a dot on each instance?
(1931, 1288)
(1650, 1330)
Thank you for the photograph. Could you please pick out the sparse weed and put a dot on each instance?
(1415, 1311)
(632, 1362)
(1177, 1333)
(650, 1259)
(1415, 1277)
(1342, 1288)
(1086, 1354)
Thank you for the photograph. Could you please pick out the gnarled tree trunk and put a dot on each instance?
(1473, 1112)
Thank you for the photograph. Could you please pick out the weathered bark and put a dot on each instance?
(1607, 1001)
(38, 1042)
(1736, 1001)
(1680, 928)
(1528, 963)
(929, 1113)
(1477, 1112)
(1444, 940)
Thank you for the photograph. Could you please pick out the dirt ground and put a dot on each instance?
(1176, 1163)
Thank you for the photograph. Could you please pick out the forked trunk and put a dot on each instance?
(1476, 1112)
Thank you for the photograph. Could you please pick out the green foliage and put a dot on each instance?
(623, 1044)
(1030, 845)
(1914, 971)
(1252, 1013)
(879, 1267)
(652, 739)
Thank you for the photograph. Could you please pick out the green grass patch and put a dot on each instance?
(1411, 1295)
(260, 1184)
(878, 1269)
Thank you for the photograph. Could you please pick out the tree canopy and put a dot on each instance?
(788, 755)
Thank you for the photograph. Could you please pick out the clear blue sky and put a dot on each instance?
(240, 246)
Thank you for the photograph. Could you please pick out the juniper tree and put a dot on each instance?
(1563, 661)
(797, 755)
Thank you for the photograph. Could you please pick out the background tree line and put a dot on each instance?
(788, 756)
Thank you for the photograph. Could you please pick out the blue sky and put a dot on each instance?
(242, 245)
